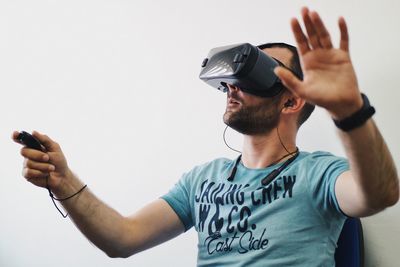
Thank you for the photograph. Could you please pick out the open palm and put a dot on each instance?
(329, 77)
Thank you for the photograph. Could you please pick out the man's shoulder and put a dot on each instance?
(319, 155)
(322, 160)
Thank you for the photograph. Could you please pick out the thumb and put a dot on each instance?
(289, 80)
(47, 142)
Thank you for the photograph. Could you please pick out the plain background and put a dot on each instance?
(116, 84)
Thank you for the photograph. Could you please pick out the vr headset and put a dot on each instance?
(244, 66)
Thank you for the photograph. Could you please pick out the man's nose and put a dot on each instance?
(232, 88)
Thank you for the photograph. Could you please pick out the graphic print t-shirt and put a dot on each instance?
(293, 221)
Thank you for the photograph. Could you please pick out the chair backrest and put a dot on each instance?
(350, 249)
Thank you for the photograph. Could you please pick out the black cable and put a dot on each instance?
(280, 140)
(267, 179)
(223, 136)
(61, 199)
(288, 154)
(271, 176)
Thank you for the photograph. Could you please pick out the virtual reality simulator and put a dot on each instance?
(244, 66)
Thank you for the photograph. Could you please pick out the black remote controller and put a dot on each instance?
(28, 140)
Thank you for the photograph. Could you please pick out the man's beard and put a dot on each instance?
(253, 120)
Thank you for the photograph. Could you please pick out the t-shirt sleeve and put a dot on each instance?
(179, 200)
(324, 170)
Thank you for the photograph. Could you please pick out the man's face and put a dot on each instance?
(253, 115)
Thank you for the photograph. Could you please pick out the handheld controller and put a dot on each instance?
(28, 140)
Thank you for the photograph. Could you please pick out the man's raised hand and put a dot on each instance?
(329, 77)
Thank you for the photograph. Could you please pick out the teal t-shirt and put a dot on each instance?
(293, 221)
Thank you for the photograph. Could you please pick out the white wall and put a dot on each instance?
(116, 84)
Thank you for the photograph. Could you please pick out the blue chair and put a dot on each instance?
(350, 249)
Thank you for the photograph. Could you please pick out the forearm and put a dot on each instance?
(371, 165)
(116, 235)
(101, 224)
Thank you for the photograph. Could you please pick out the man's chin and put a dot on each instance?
(245, 128)
(227, 117)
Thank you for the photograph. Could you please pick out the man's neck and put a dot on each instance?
(264, 150)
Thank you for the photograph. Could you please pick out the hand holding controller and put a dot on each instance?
(43, 159)
(29, 141)
(45, 166)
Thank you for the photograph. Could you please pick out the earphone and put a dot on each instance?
(289, 103)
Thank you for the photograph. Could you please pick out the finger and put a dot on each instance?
(34, 154)
(38, 181)
(43, 167)
(289, 80)
(14, 137)
(323, 34)
(344, 35)
(310, 28)
(33, 174)
(47, 142)
(301, 39)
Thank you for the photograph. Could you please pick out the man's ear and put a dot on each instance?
(293, 104)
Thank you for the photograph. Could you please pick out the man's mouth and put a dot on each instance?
(233, 104)
(232, 101)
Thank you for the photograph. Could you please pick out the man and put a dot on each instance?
(295, 219)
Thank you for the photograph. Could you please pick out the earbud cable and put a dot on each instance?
(223, 136)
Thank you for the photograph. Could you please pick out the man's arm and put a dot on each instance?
(330, 82)
(372, 184)
(120, 236)
(116, 235)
